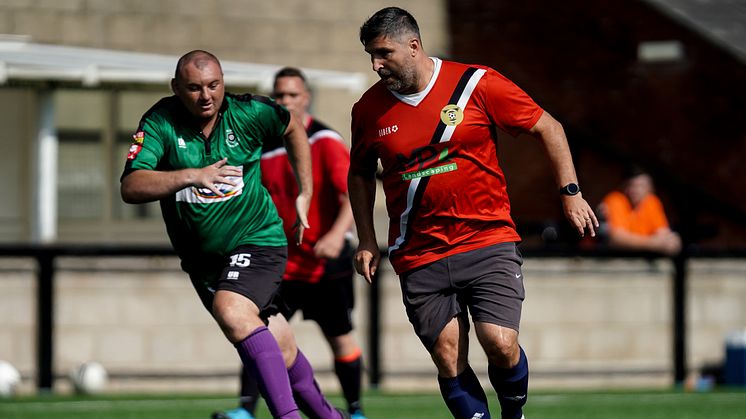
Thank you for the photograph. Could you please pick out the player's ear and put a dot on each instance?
(414, 46)
(173, 85)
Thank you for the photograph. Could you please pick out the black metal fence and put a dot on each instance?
(45, 256)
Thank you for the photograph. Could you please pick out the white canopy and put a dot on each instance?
(26, 63)
(22, 60)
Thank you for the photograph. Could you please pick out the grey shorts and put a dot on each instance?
(486, 283)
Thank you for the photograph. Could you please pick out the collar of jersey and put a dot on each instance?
(414, 99)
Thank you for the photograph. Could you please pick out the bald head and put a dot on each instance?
(198, 58)
(198, 82)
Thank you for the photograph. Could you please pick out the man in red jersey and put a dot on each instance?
(319, 273)
(432, 124)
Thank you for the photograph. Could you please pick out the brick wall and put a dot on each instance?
(578, 59)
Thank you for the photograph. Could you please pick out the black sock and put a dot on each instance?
(349, 373)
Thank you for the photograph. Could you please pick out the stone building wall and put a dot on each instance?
(306, 33)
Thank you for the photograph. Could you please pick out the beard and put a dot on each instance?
(403, 82)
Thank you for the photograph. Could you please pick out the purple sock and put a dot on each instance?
(262, 356)
(307, 392)
(464, 395)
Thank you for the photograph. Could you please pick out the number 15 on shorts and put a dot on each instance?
(241, 260)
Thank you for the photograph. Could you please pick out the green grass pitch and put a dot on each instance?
(718, 404)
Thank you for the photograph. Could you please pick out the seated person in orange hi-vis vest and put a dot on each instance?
(635, 217)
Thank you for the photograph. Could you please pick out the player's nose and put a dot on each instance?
(377, 64)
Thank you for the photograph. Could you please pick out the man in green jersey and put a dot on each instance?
(198, 153)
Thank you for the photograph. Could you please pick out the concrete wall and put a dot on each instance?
(586, 323)
(307, 33)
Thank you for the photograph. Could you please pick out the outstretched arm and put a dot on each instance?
(577, 211)
(299, 154)
(143, 186)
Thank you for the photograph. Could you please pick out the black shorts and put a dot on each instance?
(328, 302)
(252, 271)
(486, 282)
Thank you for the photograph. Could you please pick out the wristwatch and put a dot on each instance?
(570, 189)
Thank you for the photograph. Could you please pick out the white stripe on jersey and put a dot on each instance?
(322, 133)
(325, 133)
(470, 86)
(405, 215)
(446, 136)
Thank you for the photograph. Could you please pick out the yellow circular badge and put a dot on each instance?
(451, 115)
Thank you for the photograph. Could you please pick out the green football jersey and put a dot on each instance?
(199, 221)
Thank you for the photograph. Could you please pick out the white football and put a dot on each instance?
(89, 378)
(9, 379)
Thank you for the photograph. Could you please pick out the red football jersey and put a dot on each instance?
(331, 161)
(445, 191)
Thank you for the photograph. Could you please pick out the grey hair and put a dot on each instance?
(390, 22)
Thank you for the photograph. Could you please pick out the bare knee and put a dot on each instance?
(451, 350)
(289, 352)
(236, 315)
(343, 345)
(446, 360)
(231, 324)
(282, 332)
(503, 353)
(500, 344)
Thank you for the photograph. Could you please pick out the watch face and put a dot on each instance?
(570, 189)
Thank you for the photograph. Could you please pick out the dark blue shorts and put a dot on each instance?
(486, 283)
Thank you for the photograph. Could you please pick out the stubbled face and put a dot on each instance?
(638, 188)
(200, 88)
(393, 61)
(292, 93)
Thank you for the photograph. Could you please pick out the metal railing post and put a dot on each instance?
(679, 317)
(45, 321)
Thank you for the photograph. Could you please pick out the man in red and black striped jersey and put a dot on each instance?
(452, 241)
(319, 273)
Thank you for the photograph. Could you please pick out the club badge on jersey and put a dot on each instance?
(451, 115)
(230, 138)
(136, 146)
